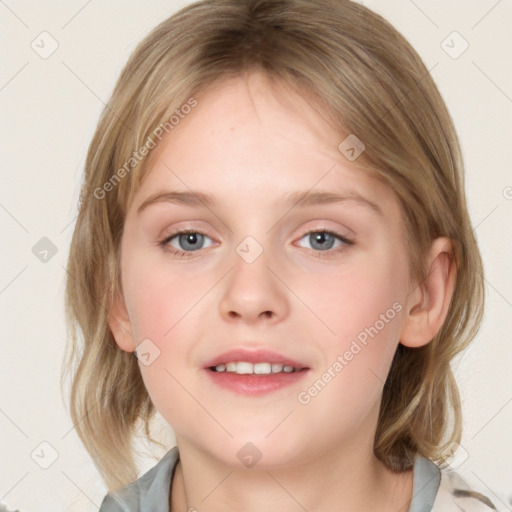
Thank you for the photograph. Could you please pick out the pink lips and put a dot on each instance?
(255, 385)
(254, 356)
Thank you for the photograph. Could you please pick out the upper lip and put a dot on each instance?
(253, 356)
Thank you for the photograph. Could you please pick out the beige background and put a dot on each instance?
(49, 108)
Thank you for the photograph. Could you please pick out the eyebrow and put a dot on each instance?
(293, 199)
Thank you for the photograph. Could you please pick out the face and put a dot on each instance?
(320, 283)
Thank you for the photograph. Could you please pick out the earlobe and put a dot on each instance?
(120, 325)
(428, 303)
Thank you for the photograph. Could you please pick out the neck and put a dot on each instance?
(349, 479)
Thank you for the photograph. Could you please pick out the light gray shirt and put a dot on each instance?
(434, 490)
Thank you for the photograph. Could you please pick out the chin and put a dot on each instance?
(255, 451)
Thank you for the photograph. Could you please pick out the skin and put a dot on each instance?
(249, 142)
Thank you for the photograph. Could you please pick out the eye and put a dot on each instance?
(324, 240)
(187, 242)
(184, 243)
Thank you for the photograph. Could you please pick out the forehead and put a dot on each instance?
(250, 136)
(255, 102)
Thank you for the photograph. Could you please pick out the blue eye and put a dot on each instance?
(188, 240)
(323, 240)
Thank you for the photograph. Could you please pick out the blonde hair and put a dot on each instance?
(371, 83)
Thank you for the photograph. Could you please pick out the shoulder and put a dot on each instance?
(149, 492)
(443, 490)
(454, 494)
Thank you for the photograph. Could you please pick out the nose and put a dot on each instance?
(253, 292)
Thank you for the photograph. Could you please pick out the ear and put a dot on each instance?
(120, 325)
(428, 303)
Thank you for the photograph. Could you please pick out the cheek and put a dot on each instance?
(353, 300)
(163, 312)
(161, 299)
(165, 308)
(363, 309)
(362, 306)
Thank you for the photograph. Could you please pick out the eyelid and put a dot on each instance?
(167, 238)
(331, 231)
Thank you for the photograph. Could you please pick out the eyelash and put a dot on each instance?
(188, 254)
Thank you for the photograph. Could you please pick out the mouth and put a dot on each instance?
(247, 368)
(254, 372)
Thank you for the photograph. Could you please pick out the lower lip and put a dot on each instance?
(255, 385)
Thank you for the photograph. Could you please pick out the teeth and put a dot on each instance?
(245, 368)
(262, 368)
(230, 367)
